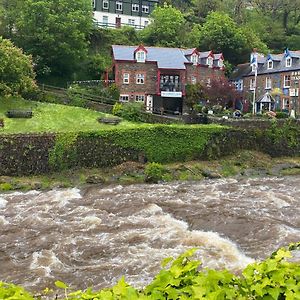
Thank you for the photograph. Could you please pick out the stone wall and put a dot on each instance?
(38, 154)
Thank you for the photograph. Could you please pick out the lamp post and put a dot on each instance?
(254, 65)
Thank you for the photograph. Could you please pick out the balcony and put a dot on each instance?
(116, 25)
(169, 89)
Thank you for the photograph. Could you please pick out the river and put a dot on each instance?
(95, 235)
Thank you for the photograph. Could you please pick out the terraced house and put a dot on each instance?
(158, 76)
(115, 14)
(277, 83)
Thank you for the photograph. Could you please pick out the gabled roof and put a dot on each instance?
(205, 54)
(166, 58)
(266, 98)
(218, 56)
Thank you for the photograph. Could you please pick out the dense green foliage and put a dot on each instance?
(54, 32)
(16, 71)
(130, 111)
(276, 278)
(154, 172)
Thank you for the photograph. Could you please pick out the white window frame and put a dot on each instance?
(220, 63)
(140, 56)
(286, 103)
(208, 82)
(194, 59)
(139, 98)
(254, 67)
(210, 61)
(268, 83)
(124, 98)
(135, 7)
(119, 6)
(106, 6)
(140, 78)
(131, 22)
(270, 64)
(145, 9)
(105, 20)
(94, 4)
(126, 78)
(286, 81)
(288, 62)
(252, 84)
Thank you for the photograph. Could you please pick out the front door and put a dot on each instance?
(118, 22)
(149, 103)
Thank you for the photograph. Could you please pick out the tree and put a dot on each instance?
(55, 32)
(221, 33)
(166, 29)
(221, 92)
(194, 93)
(16, 70)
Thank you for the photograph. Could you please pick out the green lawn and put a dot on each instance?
(51, 118)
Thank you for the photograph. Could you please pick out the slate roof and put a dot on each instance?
(166, 58)
(240, 71)
(266, 98)
(278, 64)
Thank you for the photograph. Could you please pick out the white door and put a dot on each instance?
(149, 103)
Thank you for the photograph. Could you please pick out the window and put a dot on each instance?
(126, 78)
(194, 59)
(208, 82)
(193, 80)
(270, 64)
(286, 81)
(288, 62)
(221, 63)
(119, 5)
(285, 103)
(105, 20)
(268, 82)
(105, 4)
(252, 83)
(140, 56)
(210, 61)
(140, 79)
(131, 22)
(124, 98)
(139, 98)
(94, 4)
(135, 7)
(145, 9)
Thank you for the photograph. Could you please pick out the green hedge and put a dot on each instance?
(276, 278)
(157, 143)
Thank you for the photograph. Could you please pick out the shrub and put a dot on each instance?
(131, 111)
(16, 71)
(281, 115)
(5, 186)
(154, 172)
(76, 95)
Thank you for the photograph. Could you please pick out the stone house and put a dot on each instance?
(277, 75)
(158, 76)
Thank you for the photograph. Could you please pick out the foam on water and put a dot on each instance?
(3, 203)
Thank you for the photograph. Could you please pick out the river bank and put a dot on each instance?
(243, 164)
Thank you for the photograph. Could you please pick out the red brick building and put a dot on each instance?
(158, 76)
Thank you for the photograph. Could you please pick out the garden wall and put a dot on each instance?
(37, 154)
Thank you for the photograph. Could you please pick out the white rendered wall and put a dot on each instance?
(138, 21)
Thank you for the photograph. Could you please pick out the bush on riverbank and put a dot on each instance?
(278, 277)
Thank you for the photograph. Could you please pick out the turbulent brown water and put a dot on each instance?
(93, 236)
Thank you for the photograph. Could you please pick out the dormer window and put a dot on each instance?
(210, 61)
(288, 62)
(254, 67)
(194, 59)
(270, 64)
(140, 56)
(220, 63)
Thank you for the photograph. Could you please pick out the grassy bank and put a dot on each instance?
(244, 164)
(49, 117)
